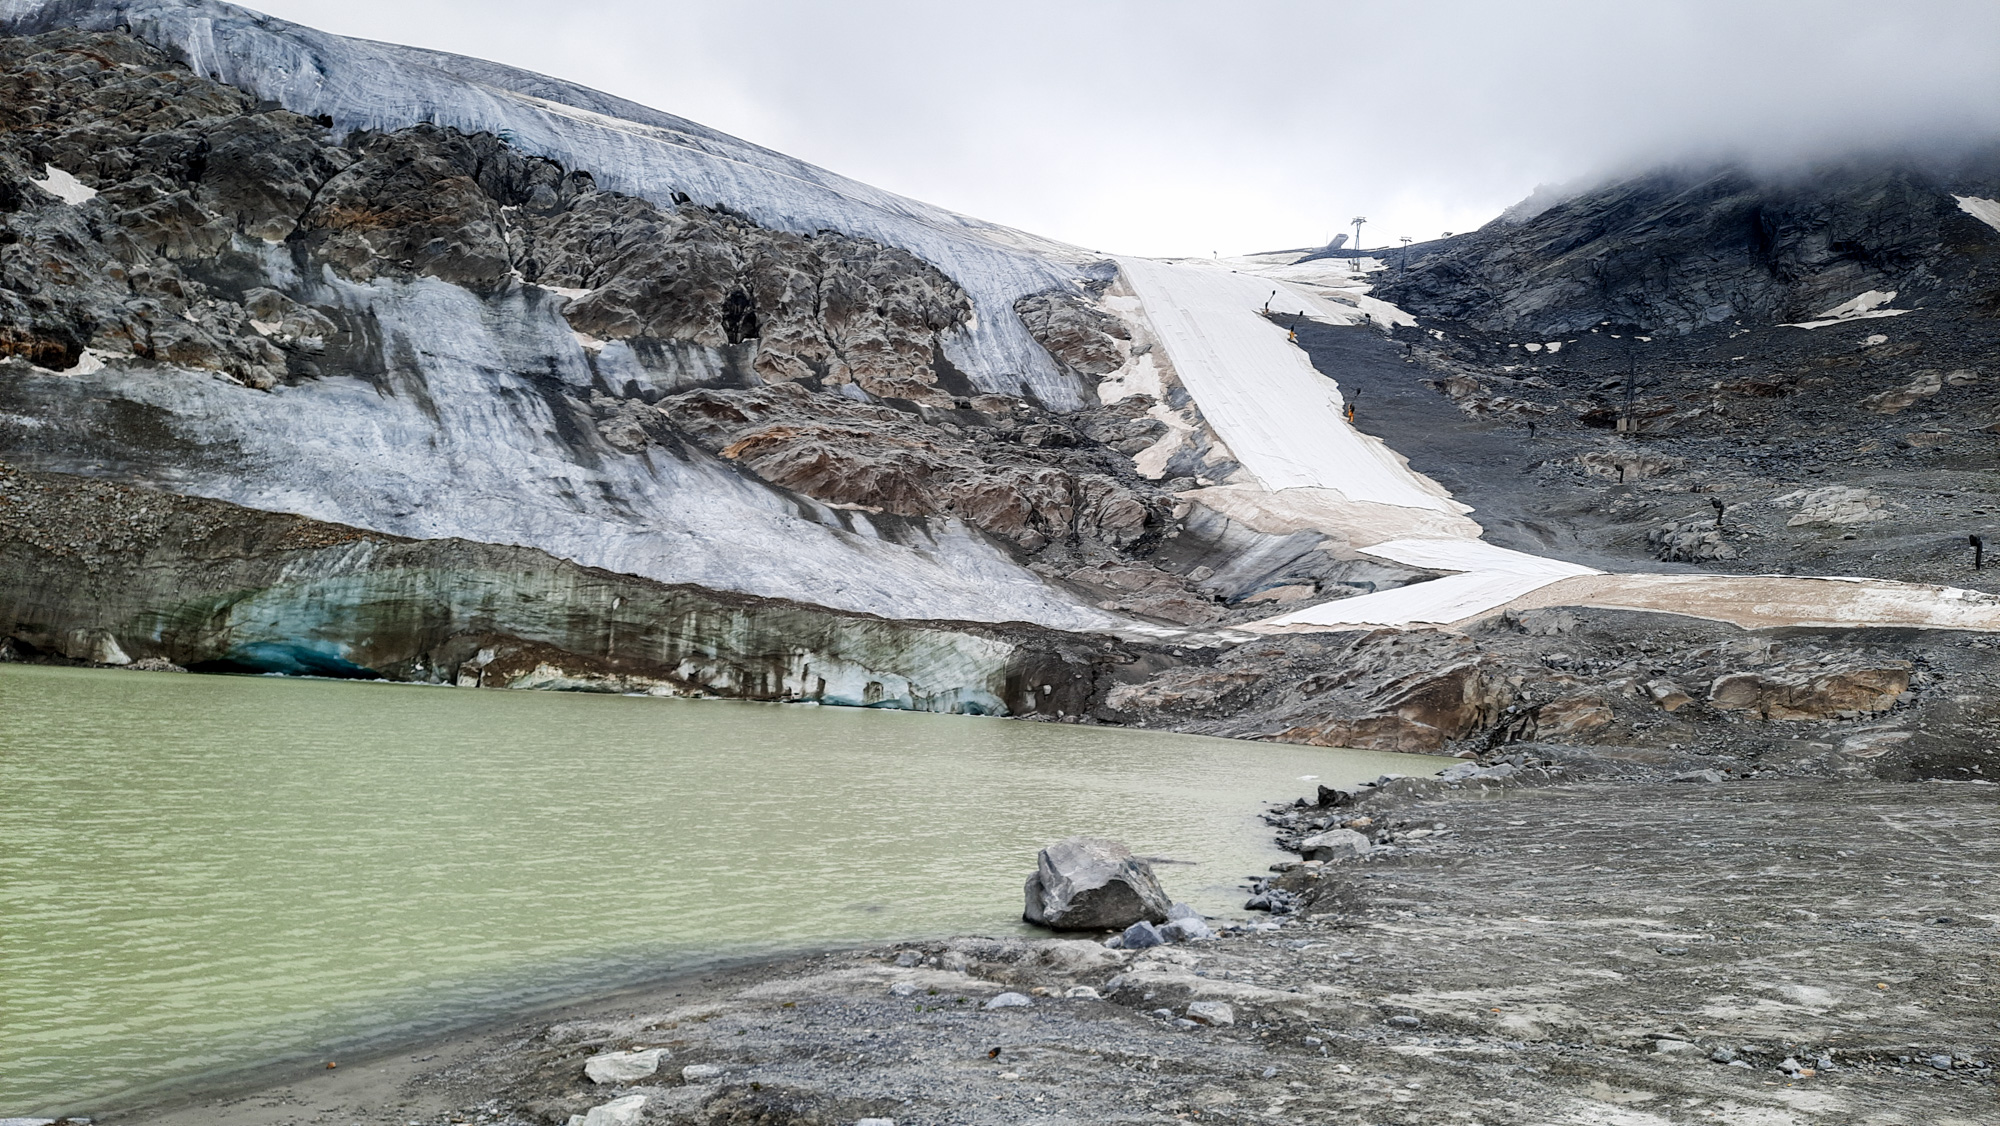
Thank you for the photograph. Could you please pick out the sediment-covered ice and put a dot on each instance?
(627, 147)
(474, 433)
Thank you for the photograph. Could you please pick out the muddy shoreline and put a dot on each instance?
(1608, 946)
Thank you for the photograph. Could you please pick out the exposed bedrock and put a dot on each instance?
(1676, 251)
(102, 573)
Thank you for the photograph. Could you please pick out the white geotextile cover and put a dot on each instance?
(1281, 418)
(1490, 578)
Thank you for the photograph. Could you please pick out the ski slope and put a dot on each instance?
(1281, 418)
(1285, 423)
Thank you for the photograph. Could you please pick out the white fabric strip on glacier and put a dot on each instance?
(1492, 577)
(1278, 415)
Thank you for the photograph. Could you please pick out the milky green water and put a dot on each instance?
(202, 873)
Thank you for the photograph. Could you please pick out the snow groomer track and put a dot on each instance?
(1284, 421)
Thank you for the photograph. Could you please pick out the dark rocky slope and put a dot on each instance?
(1683, 249)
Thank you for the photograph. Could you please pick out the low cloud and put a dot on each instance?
(1163, 127)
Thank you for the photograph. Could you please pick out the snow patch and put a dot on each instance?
(1986, 211)
(65, 187)
(1864, 307)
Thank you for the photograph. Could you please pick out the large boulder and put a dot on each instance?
(1812, 690)
(1085, 883)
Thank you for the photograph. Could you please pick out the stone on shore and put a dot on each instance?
(1010, 1001)
(623, 1067)
(1086, 883)
(617, 1112)
(1335, 844)
(1185, 924)
(1215, 1014)
(1141, 936)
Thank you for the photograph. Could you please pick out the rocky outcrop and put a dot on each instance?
(1082, 337)
(1085, 883)
(102, 573)
(1811, 690)
(1029, 478)
(1419, 711)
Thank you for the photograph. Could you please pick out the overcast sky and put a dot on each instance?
(1162, 127)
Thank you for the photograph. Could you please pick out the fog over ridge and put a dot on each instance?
(1173, 127)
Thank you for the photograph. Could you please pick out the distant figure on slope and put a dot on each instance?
(1293, 334)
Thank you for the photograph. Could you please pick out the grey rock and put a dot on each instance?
(1186, 930)
(1010, 1001)
(1406, 1021)
(623, 1067)
(1701, 776)
(1722, 1055)
(1671, 1047)
(1142, 935)
(903, 989)
(1216, 1014)
(1335, 844)
(702, 1072)
(1087, 883)
(1941, 1063)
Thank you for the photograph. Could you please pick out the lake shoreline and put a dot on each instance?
(1483, 962)
(341, 861)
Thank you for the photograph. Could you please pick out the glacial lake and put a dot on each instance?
(202, 873)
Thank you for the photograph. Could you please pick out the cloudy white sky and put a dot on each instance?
(1167, 127)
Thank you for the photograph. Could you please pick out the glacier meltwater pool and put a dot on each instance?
(201, 873)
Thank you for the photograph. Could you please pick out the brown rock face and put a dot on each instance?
(1184, 690)
(1572, 717)
(835, 449)
(1810, 691)
(1419, 712)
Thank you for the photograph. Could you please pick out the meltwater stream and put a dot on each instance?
(202, 873)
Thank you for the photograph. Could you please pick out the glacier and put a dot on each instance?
(627, 147)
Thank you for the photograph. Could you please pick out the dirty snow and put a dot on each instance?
(1986, 211)
(1489, 577)
(1868, 305)
(65, 187)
